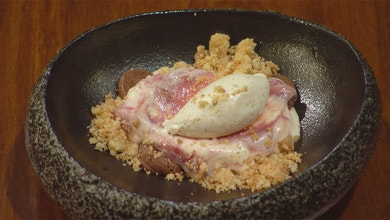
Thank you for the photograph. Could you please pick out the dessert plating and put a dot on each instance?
(136, 127)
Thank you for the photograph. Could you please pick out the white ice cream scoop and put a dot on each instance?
(224, 107)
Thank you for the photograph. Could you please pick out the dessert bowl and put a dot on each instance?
(339, 109)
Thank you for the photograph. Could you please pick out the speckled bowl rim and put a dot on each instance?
(81, 194)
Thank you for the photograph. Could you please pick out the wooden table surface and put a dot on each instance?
(31, 32)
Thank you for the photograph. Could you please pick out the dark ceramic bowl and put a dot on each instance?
(339, 109)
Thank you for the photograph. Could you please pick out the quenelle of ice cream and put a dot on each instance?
(225, 106)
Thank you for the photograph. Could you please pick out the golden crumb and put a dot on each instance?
(164, 70)
(252, 133)
(202, 79)
(268, 143)
(240, 91)
(136, 123)
(219, 89)
(203, 104)
(175, 176)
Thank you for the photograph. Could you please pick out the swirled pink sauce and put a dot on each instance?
(161, 96)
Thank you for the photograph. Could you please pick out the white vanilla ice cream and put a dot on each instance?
(224, 107)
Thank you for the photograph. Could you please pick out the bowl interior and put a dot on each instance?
(327, 72)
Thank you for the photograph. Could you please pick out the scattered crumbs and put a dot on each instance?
(194, 99)
(239, 91)
(136, 123)
(224, 59)
(219, 89)
(252, 133)
(202, 79)
(202, 104)
(268, 143)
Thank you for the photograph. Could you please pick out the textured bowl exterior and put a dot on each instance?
(83, 195)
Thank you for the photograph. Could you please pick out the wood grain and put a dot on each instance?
(31, 33)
